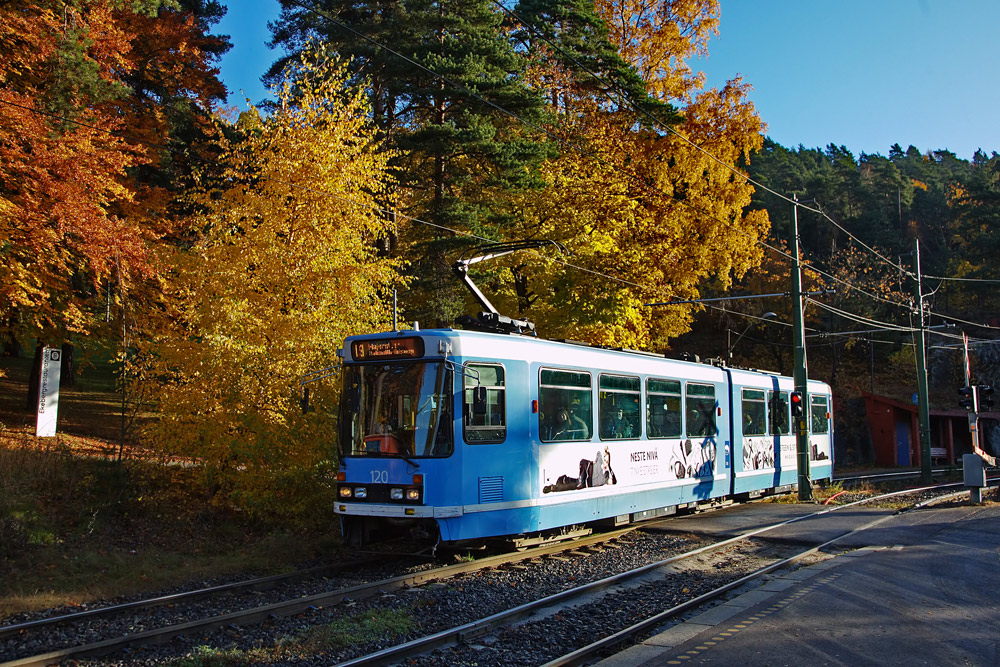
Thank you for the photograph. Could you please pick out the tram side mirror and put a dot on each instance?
(479, 406)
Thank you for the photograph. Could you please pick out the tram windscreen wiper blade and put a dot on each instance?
(401, 456)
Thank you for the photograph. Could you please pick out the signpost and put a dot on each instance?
(799, 368)
(48, 392)
(970, 401)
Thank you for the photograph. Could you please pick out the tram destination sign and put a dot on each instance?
(393, 348)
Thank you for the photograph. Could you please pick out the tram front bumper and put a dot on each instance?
(397, 511)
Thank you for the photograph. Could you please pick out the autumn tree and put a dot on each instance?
(654, 219)
(173, 91)
(448, 93)
(659, 37)
(284, 267)
(974, 239)
(63, 168)
(93, 94)
(644, 197)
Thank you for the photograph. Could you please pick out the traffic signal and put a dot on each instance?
(967, 401)
(985, 397)
(796, 400)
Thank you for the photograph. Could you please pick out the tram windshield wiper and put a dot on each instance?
(396, 455)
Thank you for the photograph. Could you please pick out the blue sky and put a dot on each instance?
(860, 73)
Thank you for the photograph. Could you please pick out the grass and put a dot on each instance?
(360, 629)
(91, 409)
(79, 523)
(77, 528)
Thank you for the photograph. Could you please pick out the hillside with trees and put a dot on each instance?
(858, 225)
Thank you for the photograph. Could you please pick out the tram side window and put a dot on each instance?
(618, 416)
(488, 423)
(819, 408)
(663, 408)
(780, 421)
(566, 406)
(754, 412)
(700, 405)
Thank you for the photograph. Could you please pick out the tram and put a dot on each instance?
(459, 436)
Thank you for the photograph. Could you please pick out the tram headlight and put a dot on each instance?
(360, 492)
(396, 494)
(413, 494)
(345, 492)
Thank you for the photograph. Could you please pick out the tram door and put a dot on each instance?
(490, 451)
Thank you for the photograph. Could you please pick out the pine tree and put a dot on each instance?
(453, 100)
(570, 46)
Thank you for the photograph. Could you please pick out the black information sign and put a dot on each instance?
(393, 348)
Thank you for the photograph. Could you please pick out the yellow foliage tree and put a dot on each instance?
(659, 210)
(657, 216)
(659, 36)
(284, 266)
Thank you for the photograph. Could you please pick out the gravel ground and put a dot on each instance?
(573, 627)
(433, 607)
(53, 638)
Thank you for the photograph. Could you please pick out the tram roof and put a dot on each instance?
(565, 353)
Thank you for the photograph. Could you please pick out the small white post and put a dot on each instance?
(48, 392)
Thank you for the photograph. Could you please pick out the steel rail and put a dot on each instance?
(467, 631)
(586, 653)
(296, 605)
(889, 475)
(261, 583)
(582, 655)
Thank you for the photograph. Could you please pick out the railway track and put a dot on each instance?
(636, 631)
(180, 604)
(500, 640)
(186, 597)
(877, 477)
(716, 559)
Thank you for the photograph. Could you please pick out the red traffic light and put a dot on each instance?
(796, 401)
(968, 400)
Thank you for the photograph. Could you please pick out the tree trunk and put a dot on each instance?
(834, 363)
(67, 367)
(12, 346)
(34, 379)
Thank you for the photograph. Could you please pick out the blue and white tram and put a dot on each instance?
(464, 435)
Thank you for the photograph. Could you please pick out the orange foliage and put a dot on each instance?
(659, 210)
(76, 133)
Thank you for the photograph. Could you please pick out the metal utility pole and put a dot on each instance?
(923, 400)
(799, 372)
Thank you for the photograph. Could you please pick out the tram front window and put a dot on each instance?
(397, 409)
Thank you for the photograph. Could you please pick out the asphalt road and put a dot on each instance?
(920, 588)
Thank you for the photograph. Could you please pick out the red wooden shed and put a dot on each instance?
(895, 429)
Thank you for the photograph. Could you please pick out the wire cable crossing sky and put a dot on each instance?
(859, 57)
(861, 74)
